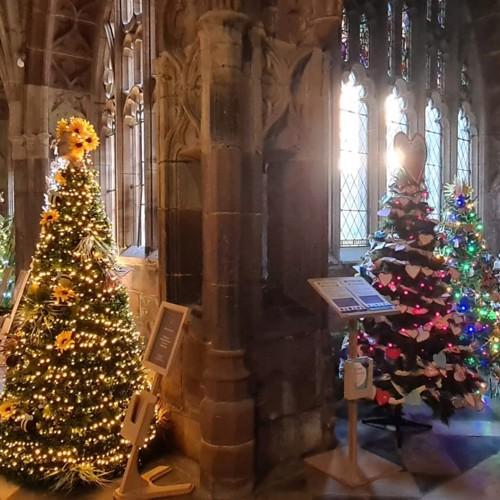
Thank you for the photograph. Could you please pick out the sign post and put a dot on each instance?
(160, 352)
(351, 299)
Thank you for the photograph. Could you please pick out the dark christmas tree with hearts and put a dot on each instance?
(419, 354)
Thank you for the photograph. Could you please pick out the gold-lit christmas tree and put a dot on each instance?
(76, 359)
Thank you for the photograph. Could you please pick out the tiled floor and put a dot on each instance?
(459, 462)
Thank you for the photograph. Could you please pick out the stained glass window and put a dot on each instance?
(434, 162)
(464, 78)
(441, 14)
(390, 37)
(396, 120)
(364, 41)
(353, 165)
(440, 70)
(428, 12)
(344, 36)
(405, 41)
(428, 73)
(464, 167)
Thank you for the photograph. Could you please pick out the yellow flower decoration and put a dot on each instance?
(91, 141)
(60, 179)
(75, 137)
(48, 217)
(65, 340)
(7, 409)
(77, 146)
(61, 128)
(78, 125)
(63, 294)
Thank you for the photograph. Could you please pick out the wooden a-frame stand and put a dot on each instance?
(160, 352)
(135, 486)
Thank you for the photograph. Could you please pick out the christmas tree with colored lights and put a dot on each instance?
(418, 353)
(473, 284)
(76, 355)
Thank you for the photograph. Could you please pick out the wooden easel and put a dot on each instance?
(136, 427)
(162, 347)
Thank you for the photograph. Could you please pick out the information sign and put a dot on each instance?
(352, 296)
(165, 337)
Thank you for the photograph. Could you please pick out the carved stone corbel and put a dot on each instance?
(178, 89)
(37, 145)
(281, 65)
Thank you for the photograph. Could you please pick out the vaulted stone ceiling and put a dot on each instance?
(62, 38)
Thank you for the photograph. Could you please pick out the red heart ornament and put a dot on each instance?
(392, 353)
(382, 397)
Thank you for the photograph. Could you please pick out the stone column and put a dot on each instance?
(231, 250)
(30, 158)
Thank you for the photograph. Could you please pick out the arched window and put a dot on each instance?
(353, 165)
(390, 37)
(396, 120)
(434, 162)
(344, 36)
(405, 41)
(128, 175)
(441, 13)
(364, 41)
(404, 74)
(464, 148)
(107, 152)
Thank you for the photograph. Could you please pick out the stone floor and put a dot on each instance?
(459, 462)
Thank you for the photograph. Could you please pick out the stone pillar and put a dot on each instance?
(231, 250)
(4, 157)
(30, 158)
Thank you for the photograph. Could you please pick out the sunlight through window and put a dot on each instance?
(396, 120)
(353, 164)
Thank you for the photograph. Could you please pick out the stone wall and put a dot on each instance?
(485, 18)
(142, 284)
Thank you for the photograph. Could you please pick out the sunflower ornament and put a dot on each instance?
(75, 138)
(65, 341)
(48, 217)
(7, 409)
(63, 294)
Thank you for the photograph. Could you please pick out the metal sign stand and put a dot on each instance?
(349, 464)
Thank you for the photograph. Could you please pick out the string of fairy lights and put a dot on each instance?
(417, 353)
(473, 285)
(77, 356)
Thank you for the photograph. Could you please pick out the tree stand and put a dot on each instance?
(397, 423)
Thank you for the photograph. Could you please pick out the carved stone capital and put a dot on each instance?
(18, 147)
(214, 19)
(30, 146)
